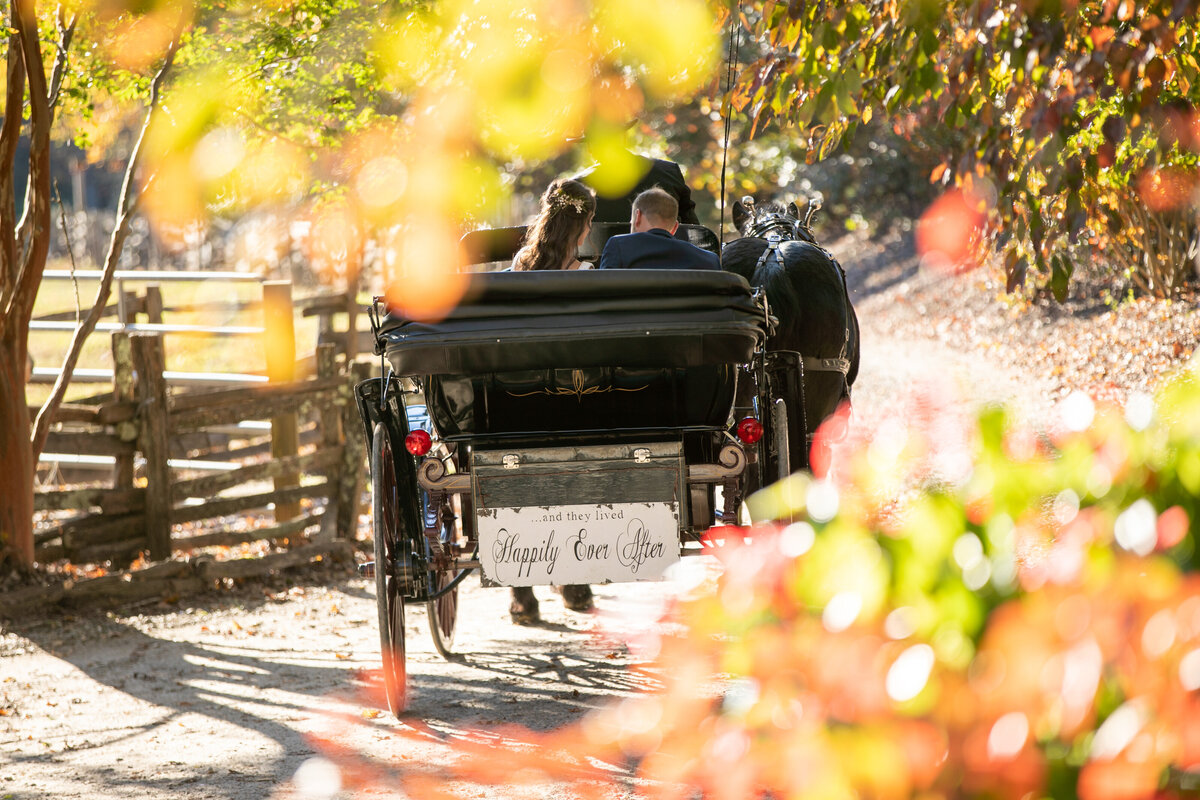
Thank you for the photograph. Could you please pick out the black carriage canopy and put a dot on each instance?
(578, 319)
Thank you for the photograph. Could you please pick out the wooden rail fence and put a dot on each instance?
(195, 467)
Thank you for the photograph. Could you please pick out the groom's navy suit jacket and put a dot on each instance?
(654, 249)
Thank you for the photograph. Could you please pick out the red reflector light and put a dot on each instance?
(749, 430)
(418, 443)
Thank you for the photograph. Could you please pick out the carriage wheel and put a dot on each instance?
(389, 600)
(443, 613)
(443, 610)
(779, 423)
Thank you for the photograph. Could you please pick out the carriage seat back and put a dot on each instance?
(591, 318)
(573, 350)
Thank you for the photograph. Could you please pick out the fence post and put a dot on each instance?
(325, 327)
(353, 457)
(152, 304)
(123, 391)
(149, 361)
(127, 305)
(279, 342)
(351, 323)
(331, 436)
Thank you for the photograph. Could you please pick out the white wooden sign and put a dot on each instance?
(540, 545)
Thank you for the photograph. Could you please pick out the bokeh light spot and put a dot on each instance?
(1172, 527)
(1159, 633)
(1163, 188)
(218, 153)
(1099, 480)
(909, 673)
(841, 611)
(1139, 410)
(822, 501)
(901, 623)
(977, 575)
(317, 779)
(1136, 528)
(381, 181)
(1077, 411)
(948, 232)
(639, 714)
(1117, 731)
(796, 539)
(740, 696)
(1189, 671)
(1008, 736)
(1082, 669)
(967, 551)
(335, 241)
(1065, 507)
(426, 282)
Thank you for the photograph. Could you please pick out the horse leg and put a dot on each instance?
(578, 597)
(524, 606)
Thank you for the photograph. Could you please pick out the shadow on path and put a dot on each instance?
(275, 685)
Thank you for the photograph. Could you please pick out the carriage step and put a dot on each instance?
(367, 569)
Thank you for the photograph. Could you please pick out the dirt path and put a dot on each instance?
(220, 701)
(221, 697)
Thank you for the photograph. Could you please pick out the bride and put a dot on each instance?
(554, 238)
(553, 242)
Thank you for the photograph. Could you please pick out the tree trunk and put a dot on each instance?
(16, 453)
(22, 260)
(22, 263)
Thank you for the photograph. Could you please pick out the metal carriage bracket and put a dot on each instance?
(431, 473)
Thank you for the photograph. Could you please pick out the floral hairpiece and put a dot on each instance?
(561, 199)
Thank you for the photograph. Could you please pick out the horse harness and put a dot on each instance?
(784, 226)
(767, 229)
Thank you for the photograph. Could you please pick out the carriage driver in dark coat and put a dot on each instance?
(652, 245)
(655, 172)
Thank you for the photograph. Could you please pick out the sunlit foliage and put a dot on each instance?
(1070, 116)
(391, 123)
(384, 123)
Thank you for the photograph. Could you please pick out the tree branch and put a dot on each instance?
(66, 32)
(30, 219)
(10, 134)
(126, 208)
(66, 229)
(35, 226)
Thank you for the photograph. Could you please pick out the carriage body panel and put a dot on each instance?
(596, 399)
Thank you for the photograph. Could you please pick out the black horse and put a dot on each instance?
(806, 291)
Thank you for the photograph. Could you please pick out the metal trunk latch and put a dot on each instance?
(641, 456)
(512, 461)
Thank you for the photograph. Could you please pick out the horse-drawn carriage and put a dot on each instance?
(567, 428)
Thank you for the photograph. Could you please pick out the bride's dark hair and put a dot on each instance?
(566, 208)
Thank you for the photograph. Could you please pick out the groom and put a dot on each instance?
(652, 244)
